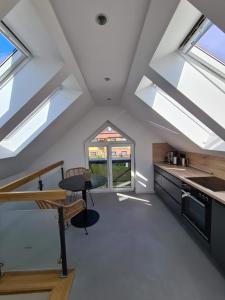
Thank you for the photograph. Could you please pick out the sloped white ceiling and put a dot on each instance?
(121, 50)
(103, 51)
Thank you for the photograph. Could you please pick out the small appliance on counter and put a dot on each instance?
(176, 158)
(169, 157)
(172, 157)
(183, 160)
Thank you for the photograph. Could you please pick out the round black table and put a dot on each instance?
(77, 183)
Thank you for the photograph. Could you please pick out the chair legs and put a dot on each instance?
(89, 193)
(84, 213)
(85, 230)
(67, 225)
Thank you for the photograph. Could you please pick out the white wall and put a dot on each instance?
(70, 147)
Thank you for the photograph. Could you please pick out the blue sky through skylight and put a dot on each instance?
(213, 43)
(6, 48)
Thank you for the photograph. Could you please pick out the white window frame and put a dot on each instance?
(190, 50)
(109, 145)
(27, 120)
(6, 71)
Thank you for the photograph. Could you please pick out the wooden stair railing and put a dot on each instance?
(56, 195)
(28, 178)
(13, 283)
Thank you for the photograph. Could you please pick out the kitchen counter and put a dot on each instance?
(183, 172)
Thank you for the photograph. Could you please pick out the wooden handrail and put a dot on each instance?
(33, 195)
(23, 180)
(19, 282)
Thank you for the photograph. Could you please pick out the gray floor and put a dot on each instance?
(138, 250)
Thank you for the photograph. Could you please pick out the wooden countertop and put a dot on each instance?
(183, 172)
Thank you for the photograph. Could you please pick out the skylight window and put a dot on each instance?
(12, 52)
(109, 135)
(31, 125)
(7, 49)
(40, 118)
(213, 43)
(180, 118)
(206, 43)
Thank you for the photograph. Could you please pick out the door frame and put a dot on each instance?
(109, 146)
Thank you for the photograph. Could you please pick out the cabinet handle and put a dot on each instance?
(185, 194)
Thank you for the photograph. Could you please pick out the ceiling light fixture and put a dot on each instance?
(107, 78)
(101, 19)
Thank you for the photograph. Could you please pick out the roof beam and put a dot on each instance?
(152, 32)
(49, 18)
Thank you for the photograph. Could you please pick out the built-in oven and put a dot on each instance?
(196, 209)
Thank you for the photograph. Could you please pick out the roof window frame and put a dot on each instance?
(24, 55)
(32, 114)
(189, 49)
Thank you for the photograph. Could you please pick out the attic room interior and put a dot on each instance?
(112, 149)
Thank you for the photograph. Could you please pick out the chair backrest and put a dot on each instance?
(74, 209)
(75, 171)
(69, 211)
(47, 205)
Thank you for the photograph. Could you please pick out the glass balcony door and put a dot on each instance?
(98, 161)
(121, 166)
(115, 162)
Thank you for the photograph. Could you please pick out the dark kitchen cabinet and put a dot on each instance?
(218, 233)
(168, 188)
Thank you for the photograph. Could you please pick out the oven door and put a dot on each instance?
(195, 212)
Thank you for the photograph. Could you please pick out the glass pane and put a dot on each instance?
(6, 48)
(121, 166)
(28, 127)
(50, 181)
(109, 135)
(29, 240)
(213, 43)
(97, 157)
(184, 121)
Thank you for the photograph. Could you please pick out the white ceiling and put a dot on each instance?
(121, 50)
(103, 51)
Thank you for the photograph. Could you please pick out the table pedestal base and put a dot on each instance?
(90, 217)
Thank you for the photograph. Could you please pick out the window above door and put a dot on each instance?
(108, 133)
(110, 153)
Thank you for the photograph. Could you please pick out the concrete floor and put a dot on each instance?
(138, 250)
